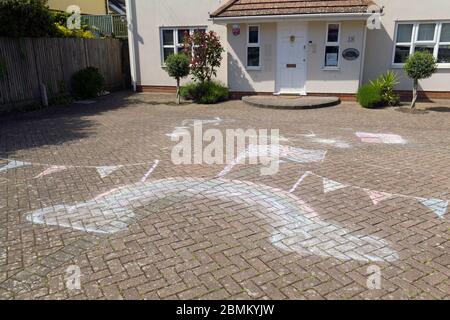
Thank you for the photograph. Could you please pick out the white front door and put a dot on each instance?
(291, 70)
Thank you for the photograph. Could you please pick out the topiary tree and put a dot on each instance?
(177, 66)
(420, 65)
(205, 52)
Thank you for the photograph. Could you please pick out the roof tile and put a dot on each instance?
(239, 8)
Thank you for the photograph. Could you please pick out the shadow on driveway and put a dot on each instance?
(57, 124)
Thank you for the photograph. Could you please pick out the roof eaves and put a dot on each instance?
(223, 8)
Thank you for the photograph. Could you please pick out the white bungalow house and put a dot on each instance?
(317, 47)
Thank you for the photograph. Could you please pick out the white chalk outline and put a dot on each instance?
(298, 227)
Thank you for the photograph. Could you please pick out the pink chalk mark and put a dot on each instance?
(150, 171)
(51, 170)
(377, 196)
(106, 194)
(371, 140)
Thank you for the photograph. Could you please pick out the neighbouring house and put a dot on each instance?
(94, 7)
(91, 7)
(102, 17)
(117, 7)
(294, 47)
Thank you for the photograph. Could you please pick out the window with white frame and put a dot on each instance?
(253, 47)
(433, 37)
(332, 46)
(172, 40)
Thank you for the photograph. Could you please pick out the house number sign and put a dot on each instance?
(350, 54)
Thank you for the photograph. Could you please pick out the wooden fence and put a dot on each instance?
(27, 63)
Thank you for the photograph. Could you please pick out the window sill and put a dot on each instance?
(253, 68)
(397, 66)
(331, 69)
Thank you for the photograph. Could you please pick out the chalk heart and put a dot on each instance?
(298, 227)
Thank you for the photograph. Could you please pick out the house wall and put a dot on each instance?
(380, 43)
(344, 79)
(87, 6)
(151, 16)
(239, 78)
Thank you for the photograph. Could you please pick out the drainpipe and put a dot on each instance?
(363, 56)
(131, 43)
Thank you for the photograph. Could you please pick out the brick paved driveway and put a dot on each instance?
(72, 194)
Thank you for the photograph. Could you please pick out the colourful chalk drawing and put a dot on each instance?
(286, 153)
(377, 196)
(302, 178)
(215, 122)
(380, 138)
(51, 170)
(150, 171)
(298, 227)
(107, 170)
(103, 171)
(332, 142)
(331, 185)
(181, 131)
(178, 132)
(438, 206)
(14, 164)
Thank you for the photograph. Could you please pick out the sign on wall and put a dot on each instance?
(350, 54)
(236, 29)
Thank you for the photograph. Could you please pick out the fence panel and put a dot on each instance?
(107, 25)
(26, 63)
(17, 71)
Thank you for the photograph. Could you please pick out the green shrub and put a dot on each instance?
(369, 96)
(208, 92)
(87, 83)
(386, 84)
(25, 18)
(188, 91)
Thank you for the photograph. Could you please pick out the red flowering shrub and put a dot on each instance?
(205, 53)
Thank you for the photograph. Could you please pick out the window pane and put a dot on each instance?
(429, 49)
(445, 33)
(253, 57)
(401, 54)
(333, 33)
(181, 35)
(168, 37)
(168, 52)
(331, 56)
(404, 33)
(253, 35)
(444, 54)
(426, 32)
